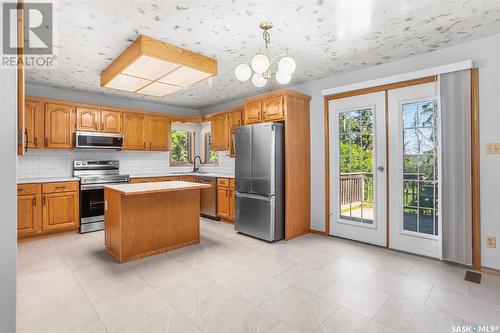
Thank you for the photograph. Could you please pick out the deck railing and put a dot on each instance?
(352, 188)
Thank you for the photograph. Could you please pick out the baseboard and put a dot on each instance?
(493, 271)
(317, 232)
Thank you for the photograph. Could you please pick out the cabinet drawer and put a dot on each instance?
(23, 189)
(59, 187)
(223, 182)
(167, 178)
(143, 180)
(232, 183)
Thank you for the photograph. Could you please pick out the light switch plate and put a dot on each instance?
(491, 241)
(493, 148)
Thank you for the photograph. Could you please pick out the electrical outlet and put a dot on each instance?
(493, 148)
(491, 241)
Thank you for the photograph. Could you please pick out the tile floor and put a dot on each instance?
(233, 283)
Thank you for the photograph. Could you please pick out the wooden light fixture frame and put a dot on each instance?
(158, 49)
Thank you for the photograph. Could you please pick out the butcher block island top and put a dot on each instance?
(144, 219)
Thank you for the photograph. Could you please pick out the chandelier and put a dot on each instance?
(261, 64)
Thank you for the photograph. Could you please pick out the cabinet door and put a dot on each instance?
(59, 126)
(34, 122)
(272, 109)
(234, 120)
(220, 132)
(223, 202)
(159, 130)
(111, 121)
(88, 119)
(231, 204)
(252, 112)
(135, 128)
(60, 210)
(29, 214)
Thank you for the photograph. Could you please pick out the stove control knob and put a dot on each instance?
(84, 163)
(78, 163)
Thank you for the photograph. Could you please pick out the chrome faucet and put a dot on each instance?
(196, 168)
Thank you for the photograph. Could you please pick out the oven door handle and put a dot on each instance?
(84, 187)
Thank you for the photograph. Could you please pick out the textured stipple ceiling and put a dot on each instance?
(324, 37)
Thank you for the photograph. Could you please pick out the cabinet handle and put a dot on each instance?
(60, 187)
(36, 141)
(26, 143)
(44, 200)
(144, 145)
(34, 201)
(46, 141)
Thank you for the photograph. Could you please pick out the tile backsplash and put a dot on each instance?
(59, 163)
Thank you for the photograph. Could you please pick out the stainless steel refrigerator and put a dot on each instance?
(259, 208)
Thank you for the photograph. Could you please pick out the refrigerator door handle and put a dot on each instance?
(254, 196)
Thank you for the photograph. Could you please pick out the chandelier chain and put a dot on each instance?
(267, 37)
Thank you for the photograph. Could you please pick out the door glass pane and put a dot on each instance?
(356, 190)
(420, 195)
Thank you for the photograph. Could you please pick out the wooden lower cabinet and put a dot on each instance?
(188, 178)
(225, 199)
(60, 211)
(154, 179)
(47, 208)
(29, 215)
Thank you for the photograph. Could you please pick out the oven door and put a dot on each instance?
(91, 203)
(98, 140)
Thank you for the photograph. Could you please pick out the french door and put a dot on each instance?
(357, 168)
(392, 202)
(414, 163)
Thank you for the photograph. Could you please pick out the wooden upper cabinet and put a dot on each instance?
(159, 133)
(59, 126)
(219, 132)
(234, 120)
(34, 123)
(88, 119)
(60, 210)
(252, 113)
(111, 121)
(135, 131)
(272, 109)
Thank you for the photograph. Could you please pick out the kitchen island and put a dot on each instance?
(148, 218)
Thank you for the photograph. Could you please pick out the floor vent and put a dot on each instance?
(473, 277)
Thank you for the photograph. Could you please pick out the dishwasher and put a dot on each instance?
(208, 198)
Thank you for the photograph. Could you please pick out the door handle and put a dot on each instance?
(380, 168)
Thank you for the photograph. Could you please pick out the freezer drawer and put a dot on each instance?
(256, 216)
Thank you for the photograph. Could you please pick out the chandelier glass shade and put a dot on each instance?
(260, 69)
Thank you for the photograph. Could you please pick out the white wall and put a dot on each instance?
(8, 202)
(486, 56)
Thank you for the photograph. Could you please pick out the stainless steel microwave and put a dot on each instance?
(98, 140)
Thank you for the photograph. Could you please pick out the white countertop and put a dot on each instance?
(169, 186)
(166, 174)
(46, 180)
